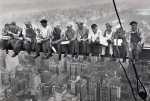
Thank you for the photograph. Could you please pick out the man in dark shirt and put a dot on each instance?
(82, 36)
(70, 35)
(5, 43)
(57, 38)
(119, 34)
(15, 40)
(136, 40)
(29, 36)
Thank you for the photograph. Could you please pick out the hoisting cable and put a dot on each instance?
(142, 94)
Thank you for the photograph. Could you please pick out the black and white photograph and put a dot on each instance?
(75, 50)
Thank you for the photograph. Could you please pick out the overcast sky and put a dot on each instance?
(8, 6)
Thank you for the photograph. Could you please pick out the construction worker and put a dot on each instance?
(109, 35)
(57, 38)
(136, 40)
(45, 36)
(15, 38)
(29, 37)
(4, 42)
(71, 36)
(94, 37)
(82, 37)
(120, 34)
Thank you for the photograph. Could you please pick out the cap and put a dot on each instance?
(69, 24)
(13, 23)
(43, 21)
(6, 24)
(56, 25)
(27, 22)
(108, 24)
(79, 22)
(118, 26)
(93, 26)
(133, 22)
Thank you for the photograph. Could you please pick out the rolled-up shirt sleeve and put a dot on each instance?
(50, 32)
(90, 35)
(142, 35)
(3, 32)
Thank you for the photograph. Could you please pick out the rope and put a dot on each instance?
(131, 58)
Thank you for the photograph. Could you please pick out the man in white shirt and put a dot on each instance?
(45, 36)
(94, 37)
(109, 33)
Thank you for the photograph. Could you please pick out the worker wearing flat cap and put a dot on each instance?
(45, 35)
(82, 36)
(108, 33)
(29, 34)
(16, 39)
(70, 35)
(57, 38)
(5, 42)
(136, 40)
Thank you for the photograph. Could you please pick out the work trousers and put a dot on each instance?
(29, 45)
(74, 47)
(16, 44)
(46, 47)
(59, 46)
(136, 49)
(5, 44)
(98, 47)
(110, 46)
(123, 51)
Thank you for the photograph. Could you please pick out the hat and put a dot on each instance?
(69, 24)
(27, 22)
(93, 26)
(13, 23)
(118, 26)
(6, 24)
(43, 21)
(108, 24)
(79, 22)
(133, 22)
(56, 25)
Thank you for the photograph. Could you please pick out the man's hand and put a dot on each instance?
(79, 40)
(73, 39)
(97, 41)
(90, 40)
(85, 39)
(28, 39)
(109, 41)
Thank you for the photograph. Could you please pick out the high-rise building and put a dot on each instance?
(83, 92)
(2, 59)
(104, 93)
(92, 90)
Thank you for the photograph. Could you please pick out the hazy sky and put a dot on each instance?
(25, 5)
(8, 6)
